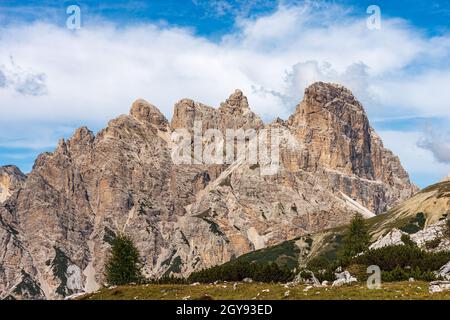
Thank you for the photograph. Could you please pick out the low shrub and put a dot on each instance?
(406, 239)
(238, 271)
(391, 257)
(432, 244)
(359, 271)
(402, 274)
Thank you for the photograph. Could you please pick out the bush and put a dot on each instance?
(432, 244)
(168, 280)
(318, 263)
(391, 257)
(123, 265)
(399, 274)
(359, 271)
(406, 239)
(238, 271)
(323, 268)
(415, 224)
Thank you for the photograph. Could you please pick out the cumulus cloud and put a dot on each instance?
(23, 81)
(92, 75)
(437, 143)
(303, 74)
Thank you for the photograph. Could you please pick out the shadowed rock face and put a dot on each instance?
(56, 229)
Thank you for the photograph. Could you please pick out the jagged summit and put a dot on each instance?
(234, 113)
(334, 98)
(236, 103)
(142, 110)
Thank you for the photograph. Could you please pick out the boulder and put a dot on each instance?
(439, 286)
(343, 278)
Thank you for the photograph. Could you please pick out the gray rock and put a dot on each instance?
(439, 286)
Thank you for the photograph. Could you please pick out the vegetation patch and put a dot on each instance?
(404, 257)
(59, 267)
(175, 266)
(415, 224)
(406, 239)
(214, 228)
(238, 271)
(433, 244)
(226, 182)
(284, 254)
(109, 236)
(27, 287)
(185, 240)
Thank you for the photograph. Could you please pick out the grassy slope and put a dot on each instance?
(248, 291)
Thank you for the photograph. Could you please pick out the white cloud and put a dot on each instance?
(23, 81)
(419, 162)
(94, 74)
(437, 143)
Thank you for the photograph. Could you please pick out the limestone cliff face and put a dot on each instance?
(56, 228)
(340, 142)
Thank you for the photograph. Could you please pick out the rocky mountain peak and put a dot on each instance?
(143, 111)
(82, 134)
(236, 103)
(331, 97)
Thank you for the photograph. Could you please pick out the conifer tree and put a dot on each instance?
(356, 238)
(124, 264)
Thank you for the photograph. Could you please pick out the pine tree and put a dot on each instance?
(356, 238)
(123, 265)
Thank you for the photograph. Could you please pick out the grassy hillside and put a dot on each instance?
(260, 291)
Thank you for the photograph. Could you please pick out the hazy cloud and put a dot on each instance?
(24, 82)
(355, 77)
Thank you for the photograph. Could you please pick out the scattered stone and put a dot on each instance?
(247, 280)
(343, 278)
(307, 288)
(444, 272)
(439, 286)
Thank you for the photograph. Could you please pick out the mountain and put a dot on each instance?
(425, 217)
(56, 228)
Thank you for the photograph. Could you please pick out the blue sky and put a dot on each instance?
(53, 80)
